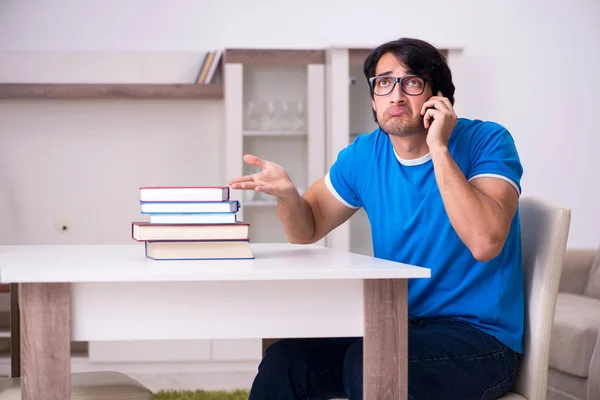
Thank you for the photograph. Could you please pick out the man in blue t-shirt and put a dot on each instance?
(440, 192)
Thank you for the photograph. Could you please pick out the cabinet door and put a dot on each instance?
(275, 110)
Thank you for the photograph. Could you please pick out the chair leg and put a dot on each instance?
(15, 332)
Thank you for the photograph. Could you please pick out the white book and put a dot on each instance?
(224, 218)
(184, 193)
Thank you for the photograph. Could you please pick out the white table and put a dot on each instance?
(113, 292)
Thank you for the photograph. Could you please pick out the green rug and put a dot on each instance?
(201, 395)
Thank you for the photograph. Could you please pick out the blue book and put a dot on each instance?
(190, 207)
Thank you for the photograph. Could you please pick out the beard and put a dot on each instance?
(400, 125)
(402, 128)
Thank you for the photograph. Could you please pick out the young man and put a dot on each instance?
(441, 192)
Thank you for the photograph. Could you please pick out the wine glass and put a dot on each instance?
(286, 116)
(300, 115)
(252, 115)
(271, 116)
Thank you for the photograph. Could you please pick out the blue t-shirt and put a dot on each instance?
(409, 224)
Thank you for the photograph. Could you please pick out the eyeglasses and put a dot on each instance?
(412, 85)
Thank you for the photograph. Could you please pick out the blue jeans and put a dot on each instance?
(447, 359)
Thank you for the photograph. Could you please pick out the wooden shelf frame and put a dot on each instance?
(112, 91)
(158, 91)
(275, 57)
(174, 91)
(357, 56)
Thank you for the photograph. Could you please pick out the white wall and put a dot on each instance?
(530, 65)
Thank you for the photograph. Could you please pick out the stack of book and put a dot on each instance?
(191, 223)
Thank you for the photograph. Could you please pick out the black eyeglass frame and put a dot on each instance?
(397, 80)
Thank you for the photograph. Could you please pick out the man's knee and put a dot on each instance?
(282, 373)
(281, 355)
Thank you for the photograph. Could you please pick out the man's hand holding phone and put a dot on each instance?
(439, 119)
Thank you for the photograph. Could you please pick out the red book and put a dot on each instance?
(145, 231)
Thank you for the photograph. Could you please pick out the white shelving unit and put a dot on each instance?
(274, 109)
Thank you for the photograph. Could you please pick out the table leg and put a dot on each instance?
(385, 344)
(45, 310)
(15, 332)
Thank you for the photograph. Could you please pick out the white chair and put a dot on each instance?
(545, 229)
(104, 385)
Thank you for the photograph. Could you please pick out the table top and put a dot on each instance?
(128, 263)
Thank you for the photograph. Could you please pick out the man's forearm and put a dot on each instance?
(297, 219)
(475, 218)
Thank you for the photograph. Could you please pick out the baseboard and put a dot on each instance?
(210, 375)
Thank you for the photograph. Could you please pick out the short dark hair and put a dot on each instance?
(418, 56)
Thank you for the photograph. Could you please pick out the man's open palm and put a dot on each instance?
(273, 179)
